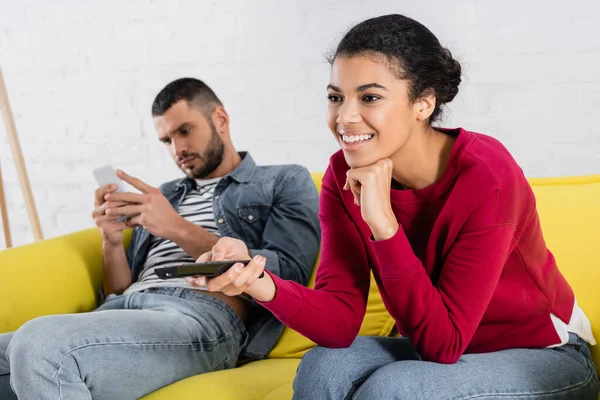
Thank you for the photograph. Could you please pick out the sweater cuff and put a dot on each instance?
(287, 301)
(395, 255)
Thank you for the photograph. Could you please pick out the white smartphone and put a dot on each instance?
(106, 175)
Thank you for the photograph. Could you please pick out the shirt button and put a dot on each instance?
(250, 217)
(220, 220)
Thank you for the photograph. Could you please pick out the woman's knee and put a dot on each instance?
(329, 371)
(318, 363)
(338, 372)
(391, 382)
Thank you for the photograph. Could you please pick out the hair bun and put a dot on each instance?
(452, 77)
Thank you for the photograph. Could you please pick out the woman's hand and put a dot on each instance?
(238, 279)
(371, 187)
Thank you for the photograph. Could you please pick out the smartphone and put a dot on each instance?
(208, 269)
(106, 175)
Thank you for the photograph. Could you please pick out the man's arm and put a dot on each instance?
(116, 275)
(152, 211)
(193, 239)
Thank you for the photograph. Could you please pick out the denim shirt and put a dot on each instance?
(273, 209)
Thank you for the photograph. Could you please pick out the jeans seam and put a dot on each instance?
(194, 344)
(202, 344)
(523, 394)
(60, 396)
(220, 366)
(178, 344)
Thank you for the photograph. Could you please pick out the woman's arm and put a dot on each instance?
(441, 320)
(330, 314)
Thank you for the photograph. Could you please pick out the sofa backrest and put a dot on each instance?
(569, 211)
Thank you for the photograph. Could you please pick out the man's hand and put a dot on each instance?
(110, 229)
(238, 279)
(150, 209)
(371, 187)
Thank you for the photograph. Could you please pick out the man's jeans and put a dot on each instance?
(389, 368)
(130, 346)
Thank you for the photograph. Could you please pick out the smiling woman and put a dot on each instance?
(391, 96)
(447, 223)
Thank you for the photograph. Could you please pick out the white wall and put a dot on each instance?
(82, 76)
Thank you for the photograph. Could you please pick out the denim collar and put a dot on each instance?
(242, 173)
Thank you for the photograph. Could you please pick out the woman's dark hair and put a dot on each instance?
(412, 52)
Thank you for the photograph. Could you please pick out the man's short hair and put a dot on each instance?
(195, 92)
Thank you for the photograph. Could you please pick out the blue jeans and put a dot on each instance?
(384, 368)
(130, 346)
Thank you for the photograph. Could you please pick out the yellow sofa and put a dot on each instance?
(61, 275)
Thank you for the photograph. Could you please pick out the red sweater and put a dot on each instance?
(467, 272)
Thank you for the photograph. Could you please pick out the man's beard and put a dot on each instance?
(211, 157)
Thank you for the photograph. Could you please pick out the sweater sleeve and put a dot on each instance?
(441, 320)
(330, 314)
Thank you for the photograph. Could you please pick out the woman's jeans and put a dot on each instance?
(382, 368)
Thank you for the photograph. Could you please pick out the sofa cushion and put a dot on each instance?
(266, 379)
(54, 276)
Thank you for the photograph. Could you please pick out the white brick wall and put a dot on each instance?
(82, 75)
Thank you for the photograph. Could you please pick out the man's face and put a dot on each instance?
(191, 139)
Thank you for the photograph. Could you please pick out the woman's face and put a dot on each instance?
(370, 113)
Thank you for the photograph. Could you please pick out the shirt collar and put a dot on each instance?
(242, 173)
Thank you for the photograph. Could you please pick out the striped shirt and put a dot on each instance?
(196, 207)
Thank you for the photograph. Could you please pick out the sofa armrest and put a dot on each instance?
(54, 276)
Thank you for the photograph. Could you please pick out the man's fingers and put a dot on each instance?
(133, 221)
(110, 204)
(108, 218)
(125, 197)
(128, 209)
(135, 182)
(121, 225)
(101, 209)
(98, 211)
(105, 221)
(113, 204)
(101, 192)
